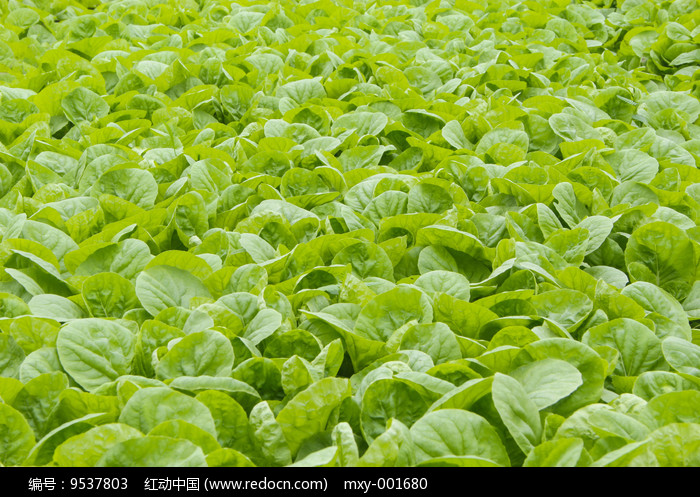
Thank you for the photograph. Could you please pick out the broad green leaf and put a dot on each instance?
(517, 411)
(153, 451)
(55, 307)
(108, 295)
(547, 381)
(386, 399)
(43, 451)
(653, 383)
(177, 428)
(671, 407)
(344, 440)
(676, 445)
(149, 407)
(87, 448)
(562, 453)
(452, 432)
(589, 364)
(84, 105)
(393, 448)
(639, 348)
(230, 419)
(38, 398)
(435, 339)
(314, 406)
(228, 458)
(391, 310)
(662, 254)
(683, 356)
(16, 436)
(95, 351)
(160, 287)
(301, 91)
(454, 135)
(206, 353)
(269, 436)
(11, 357)
(453, 284)
(43, 360)
(243, 393)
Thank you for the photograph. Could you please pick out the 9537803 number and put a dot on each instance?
(98, 483)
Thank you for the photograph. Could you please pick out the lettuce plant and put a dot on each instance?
(349, 233)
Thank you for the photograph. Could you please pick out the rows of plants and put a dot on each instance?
(349, 233)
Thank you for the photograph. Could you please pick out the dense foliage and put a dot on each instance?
(349, 233)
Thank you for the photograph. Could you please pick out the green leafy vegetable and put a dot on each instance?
(456, 233)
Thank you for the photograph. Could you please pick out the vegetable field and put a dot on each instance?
(349, 233)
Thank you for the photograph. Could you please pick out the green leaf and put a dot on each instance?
(263, 325)
(108, 295)
(301, 91)
(654, 299)
(572, 128)
(518, 412)
(671, 407)
(205, 353)
(561, 453)
(55, 307)
(160, 287)
(386, 399)
(452, 432)
(344, 440)
(589, 364)
(43, 451)
(453, 284)
(639, 348)
(177, 428)
(38, 399)
(683, 356)
(567, 308)
(363, 123)
(95, 351)
(314, 406)
(633, 165)
(435, 339)
(228, 458)
(454, 135)
(269, 436)
(653, 383)
(84, 105)
(676, 445)
(87, 448)
(465, 395)
(149, 407)
(16, 436)
(393, 448)
(43, 360)
(662, 254)
(231, 420)
(547, 381)
(366, 259)
(11, 357)
(153, 451)
(243, 393)
(391, 310)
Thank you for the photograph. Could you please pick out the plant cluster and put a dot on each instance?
(349, 233)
